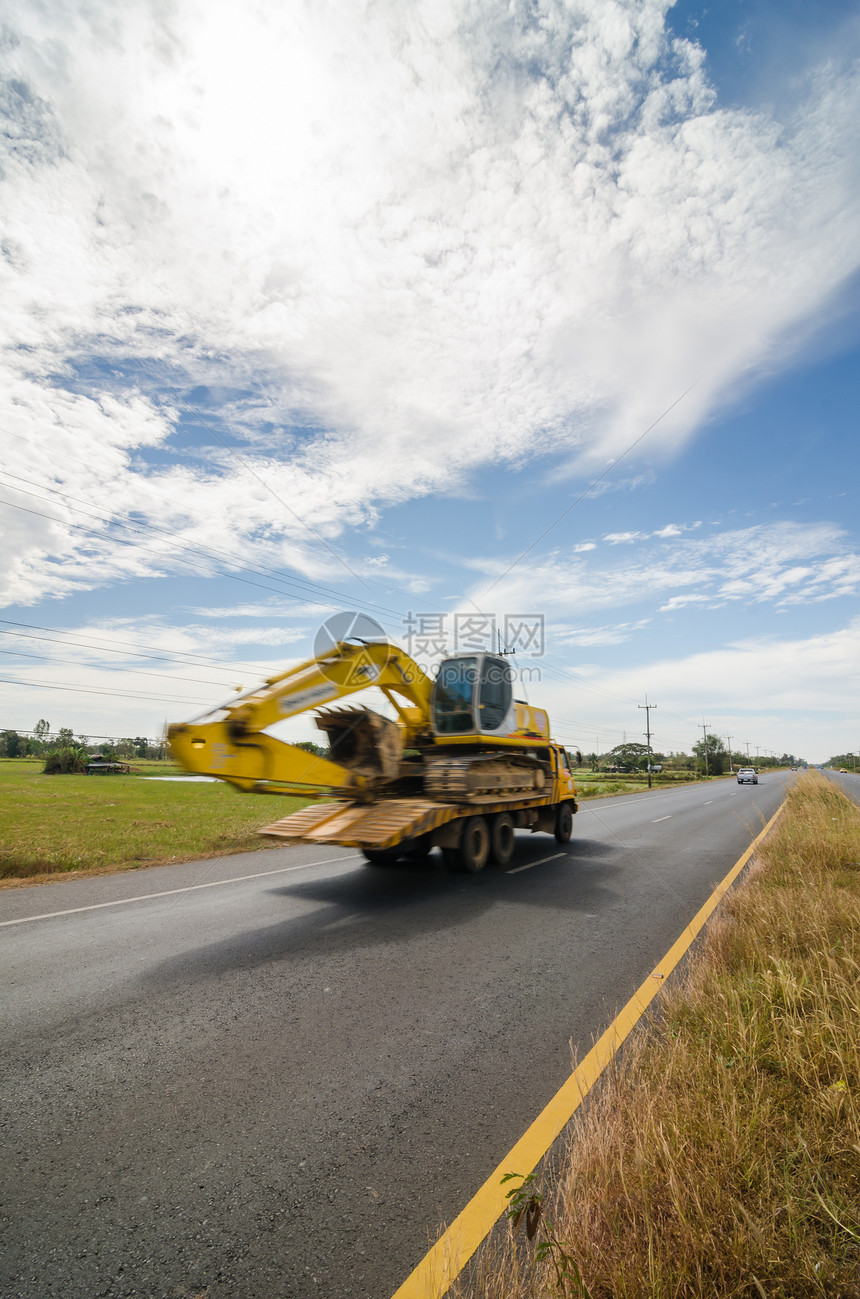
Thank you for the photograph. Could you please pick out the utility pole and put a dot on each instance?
(705, 726)
(648, 708)
(731, 764)
(747, 743)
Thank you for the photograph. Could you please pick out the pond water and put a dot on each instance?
(180, 777)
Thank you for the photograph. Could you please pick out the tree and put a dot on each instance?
(711, 754)
(626, 756)
(65, 738)
(10, 744)
(310, 747)
(71, 760)
(42, 731)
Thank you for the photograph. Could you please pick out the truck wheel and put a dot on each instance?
(417, 849)
(380, 856)
(502, 835)
(563, 824)
(474, 851)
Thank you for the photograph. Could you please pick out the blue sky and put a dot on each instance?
(548, 313)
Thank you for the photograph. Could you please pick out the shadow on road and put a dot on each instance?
(375, 906)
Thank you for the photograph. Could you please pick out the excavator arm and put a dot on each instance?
(365, 749)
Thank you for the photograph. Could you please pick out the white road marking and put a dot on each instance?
(707, 802)
(166, 893)
(529, 864)
(662, 818)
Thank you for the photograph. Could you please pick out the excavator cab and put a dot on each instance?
(473, 695)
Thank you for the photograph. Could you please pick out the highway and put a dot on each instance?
(848, 782)
(273, 1076)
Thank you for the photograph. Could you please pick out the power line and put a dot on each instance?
(414, 597)
(196, 415)
(588, 489)
(112, 667)
(304, 588)
(107, 646)
(120, 694)
(29, 730)
(123, 521)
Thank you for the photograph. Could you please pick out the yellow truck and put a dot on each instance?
(461, 766)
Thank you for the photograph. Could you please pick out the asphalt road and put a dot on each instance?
(277, 1078)
(848, 782)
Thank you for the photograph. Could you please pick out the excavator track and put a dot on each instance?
(463, 780)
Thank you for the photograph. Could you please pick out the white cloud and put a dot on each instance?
(780, 694)
(410, 241)
(622, 538)
(270, 610)
(582, 637)
(684, 602)
(782, 564)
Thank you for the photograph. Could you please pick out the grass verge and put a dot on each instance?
(60, 824)
(722, 1157)
(589, 785)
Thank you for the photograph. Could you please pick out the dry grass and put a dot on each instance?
(92, 824)
(723, 1158)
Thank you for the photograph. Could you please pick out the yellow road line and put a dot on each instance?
(440, 1267)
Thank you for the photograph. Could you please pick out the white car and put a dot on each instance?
(747, 776)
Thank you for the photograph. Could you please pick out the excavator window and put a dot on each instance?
(495, 695)
(452, 696)
(459, 681)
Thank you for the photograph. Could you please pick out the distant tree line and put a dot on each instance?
(708, 754)
(42, 740)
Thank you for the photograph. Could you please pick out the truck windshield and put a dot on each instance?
(452, 697)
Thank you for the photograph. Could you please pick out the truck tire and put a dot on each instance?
(502, 839)
(474, 851)
(380, 856)
(417, 849)
(563, 823)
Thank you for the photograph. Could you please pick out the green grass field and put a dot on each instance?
(80, 823)
(63, 823)
(599, 784)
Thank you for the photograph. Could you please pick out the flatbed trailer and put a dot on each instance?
(469, 834)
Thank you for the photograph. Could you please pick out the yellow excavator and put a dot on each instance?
(463, 765)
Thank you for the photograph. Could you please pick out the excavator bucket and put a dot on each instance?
(363, 741)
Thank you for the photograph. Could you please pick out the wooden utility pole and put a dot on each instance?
(648, 708)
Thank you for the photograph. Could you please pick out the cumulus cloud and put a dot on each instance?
(381, 246)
